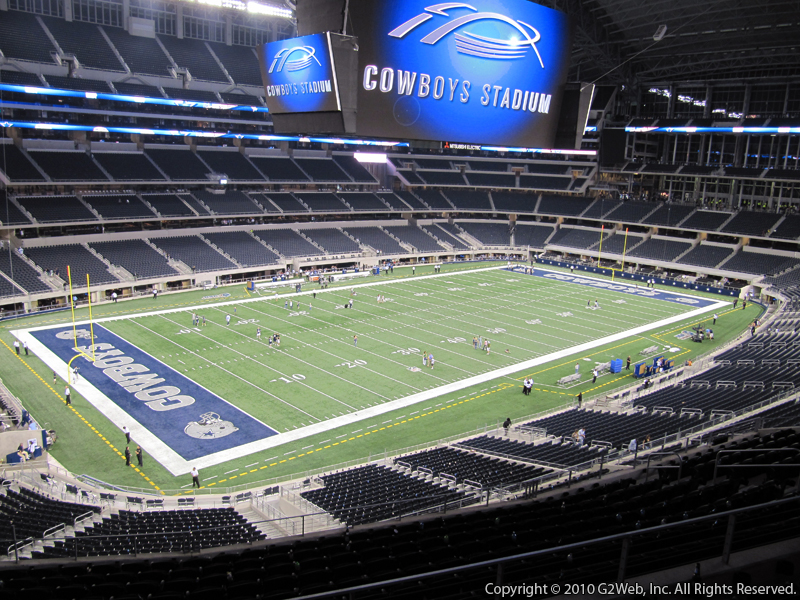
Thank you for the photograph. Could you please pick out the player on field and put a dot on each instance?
(227, 319)
(258, 333)
(424, 358)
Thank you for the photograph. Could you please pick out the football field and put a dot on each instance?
(203, 394)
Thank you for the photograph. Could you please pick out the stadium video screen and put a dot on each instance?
(298, 75)
(482, 71)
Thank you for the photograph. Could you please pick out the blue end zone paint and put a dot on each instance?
(170, 418)
(625, 288)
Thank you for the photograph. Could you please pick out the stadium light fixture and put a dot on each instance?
(370, 157)
(250, 6)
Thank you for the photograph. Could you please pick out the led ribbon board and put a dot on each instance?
(482, 71)
(298, 75)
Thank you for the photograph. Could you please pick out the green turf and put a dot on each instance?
(314, 344)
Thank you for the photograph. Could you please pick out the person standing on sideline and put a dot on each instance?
(735, 302)
(715, 319)
(204, 320)
(507, 424)
(155, 293)
(744, 304)
(413, 270)
(127, 456)
(430, 360)
(195, 478)
(355, 341)
(475, 342)
(54, 377)
(424, 358)
(594, 375)
(580, 399)
(488, 346)
(628, 364)
(139, 457)
(114, 297)
(227, 319)
(25, 347)
(74, 374)
(286, 304)
(577, 368)
(127, 434)
(69, 399)
(525, 387)
(16, 346)
(351, 303)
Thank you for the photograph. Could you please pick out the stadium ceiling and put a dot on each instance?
(705, 40)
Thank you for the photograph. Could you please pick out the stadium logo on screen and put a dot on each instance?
(304, 57)
(522, 36)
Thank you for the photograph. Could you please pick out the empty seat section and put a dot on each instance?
(322, 169)
(10, 214)
(78, 83)
(514, 202)
(322, 201)
(17, 166)
(493, 180)
(364, 201)
(434, 199)
(759, 263)
(24, 275)
(631, 212)
(333, 241)
(68, 166)
(412, 201)
(489, 234)
(232, 164)
(469, 466)
(706, 256)
(128, 166)
(355, 169)
(550, 169)
(416, 237)
(168, 205)
(193, 55)
(748, 222)
(534, 236)
(669, 215)
(467, 200)
(377, 239)
(22, 37)
(8, 289)
(392, 200)
(52, 209)
(136, 257)
(193, 252)
(550, 453)
(286, 202)
(576, 238)
(287, 242)
(447, 178)
(410, 176)
(263, 201)
(617, 243)
(705, 220)
(788, 229)
(488, 165)
(600, 208)
(231, 202)
(543, 182)
(137, 90)
(241, 63)
(20, 78)
(278, 168)
(141, 54)
(191, 95)
(563, 205)
(432, 163)
(244, 248)
(78, 258)
(240, 99)
(373, 493)
(117, 206)
(179, 164)
(85, 41)
(447, 233)
(660, 249)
